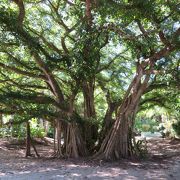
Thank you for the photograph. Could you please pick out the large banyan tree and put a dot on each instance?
(54, 53)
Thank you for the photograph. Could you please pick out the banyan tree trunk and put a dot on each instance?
(118, 142)
(69, 141)
(91, 129)
(46, 126)
(58, 146)
(74, 145)
(28, 140)
(108, 120)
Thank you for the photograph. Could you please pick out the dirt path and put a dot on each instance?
(163, 164)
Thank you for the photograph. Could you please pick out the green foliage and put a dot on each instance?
(166, 128)
(4, 132)
(36, 129)
(37, 132)
(176, 127)
(145, 124)
(19, 130)
(158, 119)
(55, 51)
(50, 132)
(141, 146)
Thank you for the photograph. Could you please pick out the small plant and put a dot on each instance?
(36, 129)
(37, 132)
(142, 148)
(18, 131)
(4, 132)
(166, 128)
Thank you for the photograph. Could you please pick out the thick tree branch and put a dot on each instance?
(88, 12)
(20, 62)
(18, 71)
(21, 85)
(144, 32)
(64, 46)
(37, 99)
(21, 16)
(46, 42)
(50, 77)
(163, 39)
(35, 48)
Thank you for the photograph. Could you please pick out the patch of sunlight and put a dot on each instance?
(48, 169)
(75, 174)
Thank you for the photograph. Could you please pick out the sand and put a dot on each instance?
(163, 162)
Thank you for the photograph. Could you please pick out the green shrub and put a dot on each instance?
(50, 132)
(4, 132)
(37, 132)
(19, 130)
(146, 124)
(176, 127)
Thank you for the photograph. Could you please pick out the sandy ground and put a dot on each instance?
(163, 163)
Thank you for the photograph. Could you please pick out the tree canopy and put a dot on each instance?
(95, 63)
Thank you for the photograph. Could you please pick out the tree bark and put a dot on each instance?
(108, 120)
(34, 147)
(58, 136)
(28, 140)
(46, 126)
(73, 142)
(118, 142)
(88, 12)
(59, 133)
(21, 16)
(1, 120)
(91, 129)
